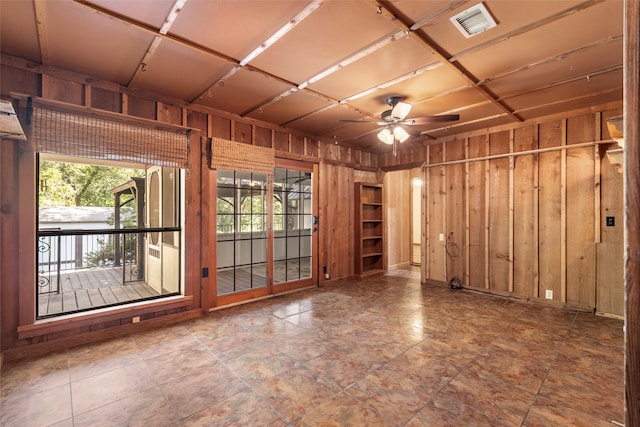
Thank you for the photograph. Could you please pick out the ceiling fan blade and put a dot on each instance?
(431, 119)
(400, 111)
(358, 121)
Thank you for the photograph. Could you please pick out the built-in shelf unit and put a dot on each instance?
(369, 230)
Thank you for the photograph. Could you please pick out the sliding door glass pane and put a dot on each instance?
(241, 230)
(292, 225)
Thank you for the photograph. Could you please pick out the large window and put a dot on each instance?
(106, 235)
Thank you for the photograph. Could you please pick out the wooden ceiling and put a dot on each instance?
(335, 59)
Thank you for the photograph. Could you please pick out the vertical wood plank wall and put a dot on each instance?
(397, 205)
(339, 166)
(336, 213)
(529, 223)
(522, 224)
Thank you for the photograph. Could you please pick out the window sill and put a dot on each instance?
(94, 317)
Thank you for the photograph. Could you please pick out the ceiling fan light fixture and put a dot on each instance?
(386, 136)
(400, 134)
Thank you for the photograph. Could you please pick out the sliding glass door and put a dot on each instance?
(265, 231)
(242, 218)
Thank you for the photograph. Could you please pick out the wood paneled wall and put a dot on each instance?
(337, 220)
(520, 224)
(397, 206)
(522, 211)
(338, 167)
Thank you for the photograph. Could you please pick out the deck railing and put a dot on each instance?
(63, 250)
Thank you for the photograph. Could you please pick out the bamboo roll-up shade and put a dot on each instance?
(232, 155)
(73, 134)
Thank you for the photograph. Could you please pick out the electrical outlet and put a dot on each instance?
(441, 237)
(548, 294)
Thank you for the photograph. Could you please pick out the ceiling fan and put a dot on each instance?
(395, 118)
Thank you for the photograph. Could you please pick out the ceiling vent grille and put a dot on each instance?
(474, 20)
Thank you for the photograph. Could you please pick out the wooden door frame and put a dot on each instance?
(413, 178)
(216, 301)
(632, 206)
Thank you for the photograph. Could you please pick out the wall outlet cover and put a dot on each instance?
(548, 294)
(441, 237)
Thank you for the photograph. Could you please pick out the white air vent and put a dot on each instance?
(474, 20)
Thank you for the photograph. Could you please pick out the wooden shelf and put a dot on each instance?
(369, 223)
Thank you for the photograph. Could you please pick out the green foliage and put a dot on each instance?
(251, 215)
(74, 184)
(105, 255)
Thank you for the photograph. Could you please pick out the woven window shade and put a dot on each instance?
(91, 136)
(232, 155)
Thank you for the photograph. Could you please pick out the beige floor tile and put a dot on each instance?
(295, 392)
(147, 408)
(599, 401)
(261, 364)
(244, 409)
(495, 399)
(41, 408)
(394, 394)
(550, 414)
(452, 413)
(342, 366)
(96, 358)
(28, 376)
(107, 387)
(198, 390)
(343, 411)
(388, 351)
(516, 369)
(170, 366)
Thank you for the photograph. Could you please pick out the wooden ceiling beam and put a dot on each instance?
(244, 63)
(473, 82)
(521, 110)
(559, 57)
(438, 13)
(368, 50)
(436, 50)
(525, 29)
(154, 31)
(312, 113)
(146, 58)
(41, 28)
(587, 77)
(166, 26)
(457, 125)
(576, 98)
(234, 63)
(379, 44)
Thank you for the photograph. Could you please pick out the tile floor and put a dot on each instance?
(382, 352)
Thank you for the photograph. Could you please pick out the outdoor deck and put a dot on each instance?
(246, 279)
(91, 288)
